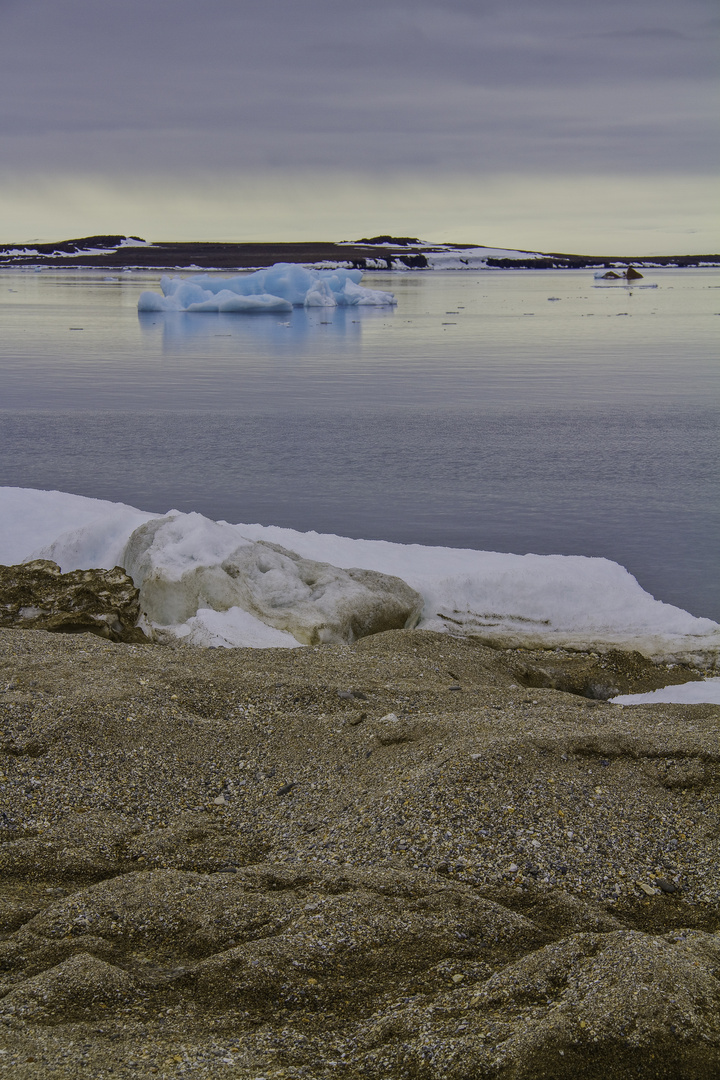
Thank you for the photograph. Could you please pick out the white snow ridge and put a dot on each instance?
(211, 583)
(279, 288)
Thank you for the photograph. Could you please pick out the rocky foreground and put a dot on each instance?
(415, 857)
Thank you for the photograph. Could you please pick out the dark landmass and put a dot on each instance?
(411, 858)
(378, 252)
(598, 262)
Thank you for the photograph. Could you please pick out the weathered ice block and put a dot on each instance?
(180, 571)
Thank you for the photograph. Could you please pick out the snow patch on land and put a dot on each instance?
(231, 629)
(127, 242)
(534, 601)
(691, 693)
(473, 258)
(279, 288)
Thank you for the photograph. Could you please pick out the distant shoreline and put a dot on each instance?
(377, 253)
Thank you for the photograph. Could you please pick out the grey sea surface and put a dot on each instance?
(521, 411)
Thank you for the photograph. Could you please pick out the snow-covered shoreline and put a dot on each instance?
(386, 254)
(510, 600)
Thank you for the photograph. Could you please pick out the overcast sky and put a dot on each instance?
(554, 124)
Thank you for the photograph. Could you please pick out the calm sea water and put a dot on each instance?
(512, 411)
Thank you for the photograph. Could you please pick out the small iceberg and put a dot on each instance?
(279, 288)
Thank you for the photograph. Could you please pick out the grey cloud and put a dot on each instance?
(158, 84)
(646, 32)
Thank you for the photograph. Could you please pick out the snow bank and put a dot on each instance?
(438, 256)
(279, 288)
(533, 601)
(690, 693)
(206, 581)
(77, 533)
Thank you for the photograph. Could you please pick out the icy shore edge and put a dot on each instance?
(213, 583)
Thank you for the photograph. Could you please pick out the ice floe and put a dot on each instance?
(279, 288)
(213, 583)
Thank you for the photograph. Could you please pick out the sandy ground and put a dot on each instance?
(395, 859)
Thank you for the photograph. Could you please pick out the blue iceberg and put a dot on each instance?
(279, 288)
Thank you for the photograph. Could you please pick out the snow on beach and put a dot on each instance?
(690, 693)
(216, 584)
(279, 288)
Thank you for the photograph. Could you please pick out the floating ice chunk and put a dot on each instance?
(191, 297)
(324, 293)
(279, 288)
(354, 295)
(150, 301)
(227, 301)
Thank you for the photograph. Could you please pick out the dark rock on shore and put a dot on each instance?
(38, 596)
(599, 676)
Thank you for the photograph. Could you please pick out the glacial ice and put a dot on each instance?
(184, 565)
(279, 288)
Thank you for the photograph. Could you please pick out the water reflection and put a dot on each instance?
(279, 332)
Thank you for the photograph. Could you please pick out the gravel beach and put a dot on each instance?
(398, 859)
